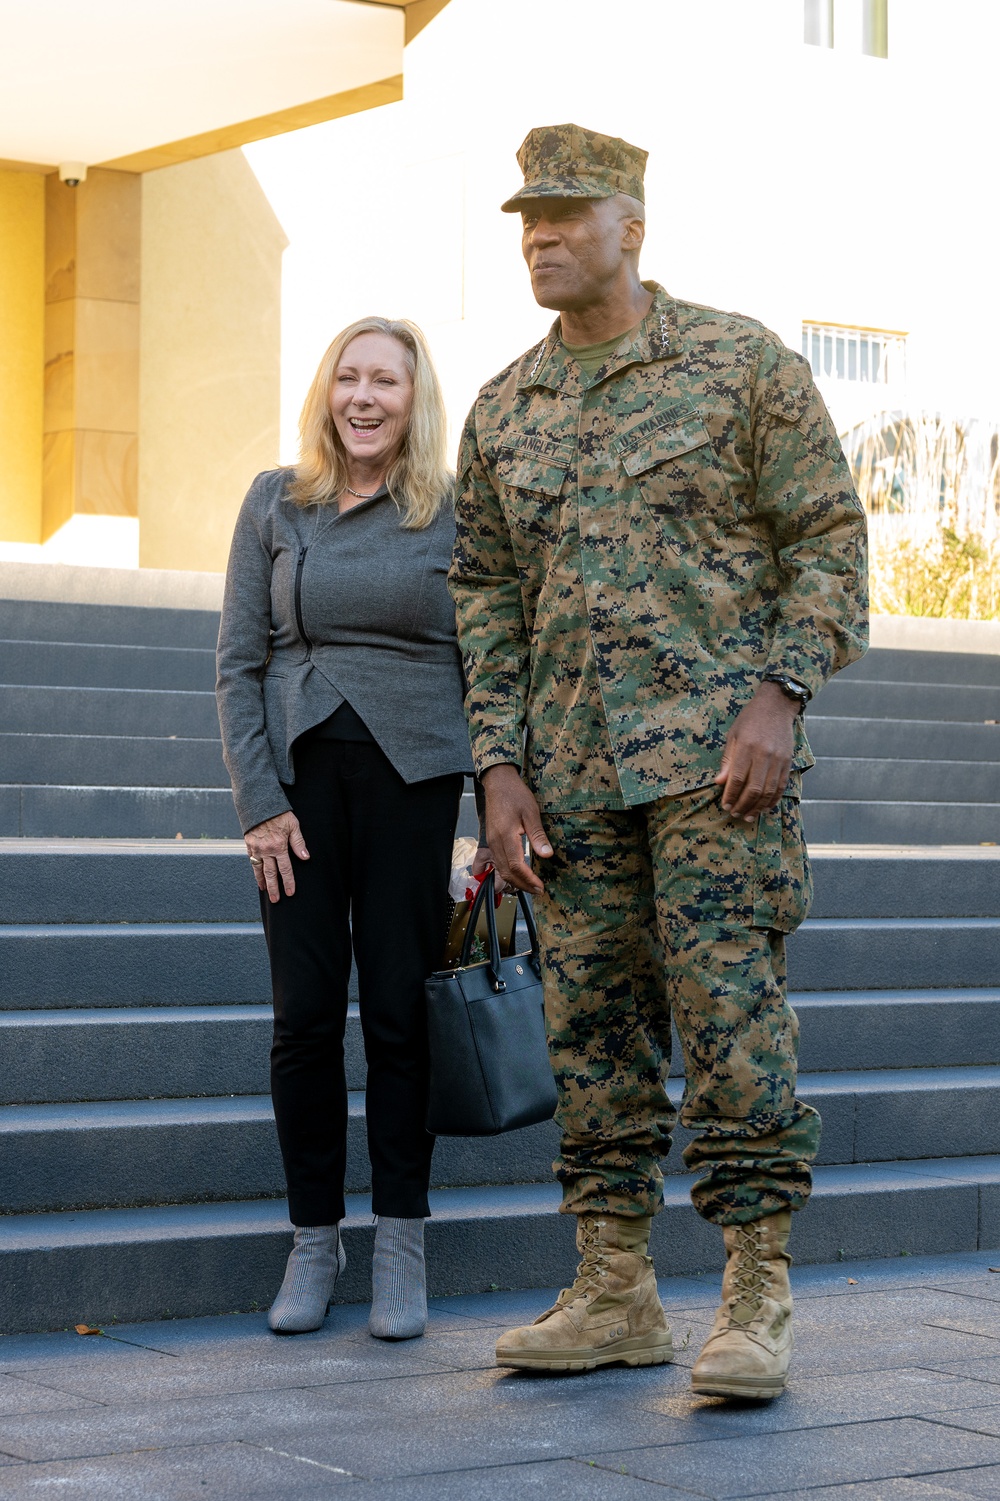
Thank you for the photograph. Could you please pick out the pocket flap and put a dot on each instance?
(663, 445)
(543, 470)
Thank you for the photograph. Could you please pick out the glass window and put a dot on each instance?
(843, 352)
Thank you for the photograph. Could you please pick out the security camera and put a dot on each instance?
(72, 173)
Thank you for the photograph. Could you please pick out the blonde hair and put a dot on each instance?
(419, 479)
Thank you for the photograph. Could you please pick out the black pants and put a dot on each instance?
(380, 857)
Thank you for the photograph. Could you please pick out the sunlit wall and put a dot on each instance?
(789, 181)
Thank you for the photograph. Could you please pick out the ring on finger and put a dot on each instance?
(256, 860)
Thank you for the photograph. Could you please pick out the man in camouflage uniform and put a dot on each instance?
(660, 558)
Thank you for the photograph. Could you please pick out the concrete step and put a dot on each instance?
(894, 953)
(132, 964)
(881, 664)
(116, 1154)
(131, 881)
(75, 773)
(110, 812)
(71, 664)
(183, 1051)
(895, 700)
(830, 821)
(26, 710)
(894, 1115)
(897, 1029)
(903, 881)
(847, 778)
(182, 880)
(143, 1052)
(179, 1052)
(121, 1153)
(131, 812)
(106, 624)
(112, 761)
(128, 1264)
(57, 966)
(902, 739)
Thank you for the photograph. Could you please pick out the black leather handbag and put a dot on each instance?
(489, 1063)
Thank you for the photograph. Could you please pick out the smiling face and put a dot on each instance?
(578, 249)
(371, 398)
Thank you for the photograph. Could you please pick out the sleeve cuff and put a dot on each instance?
(491, 760)
(787, 663)
(251, 814)
(498, 745)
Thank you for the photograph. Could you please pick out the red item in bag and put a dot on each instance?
(470, 895)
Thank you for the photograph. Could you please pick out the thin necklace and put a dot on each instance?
(359, 494)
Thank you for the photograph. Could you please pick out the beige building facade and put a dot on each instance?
(140, 262)
(209, 356)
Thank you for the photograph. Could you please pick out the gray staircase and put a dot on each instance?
(139, 1171)
(108, 723)
(908, 750)
(138, 1150)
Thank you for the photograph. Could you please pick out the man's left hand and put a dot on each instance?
(758, 753)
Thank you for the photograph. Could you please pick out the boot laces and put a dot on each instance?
(751, 1274)
(594, 1262)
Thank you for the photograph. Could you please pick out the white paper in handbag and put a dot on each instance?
(462, 855)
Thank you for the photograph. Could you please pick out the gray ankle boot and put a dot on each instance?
(316, 1261)
(399, 1284)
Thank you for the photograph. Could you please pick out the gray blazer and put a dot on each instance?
(321, 607)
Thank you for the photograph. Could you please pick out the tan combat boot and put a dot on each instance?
(611, 1314)
(748, 1350)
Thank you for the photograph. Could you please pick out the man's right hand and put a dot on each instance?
(511, 817)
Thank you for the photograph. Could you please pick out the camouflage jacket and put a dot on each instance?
(634, 551)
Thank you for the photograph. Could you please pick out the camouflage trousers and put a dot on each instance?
(675, 909)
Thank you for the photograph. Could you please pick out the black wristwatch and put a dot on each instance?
(790, 686)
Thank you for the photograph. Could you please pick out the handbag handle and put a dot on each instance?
(486, 887)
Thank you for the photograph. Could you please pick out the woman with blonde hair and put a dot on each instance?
(340, 693)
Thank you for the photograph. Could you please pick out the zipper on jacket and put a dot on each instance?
(298, 597)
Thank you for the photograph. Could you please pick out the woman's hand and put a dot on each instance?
(482, 862)
(268, 845)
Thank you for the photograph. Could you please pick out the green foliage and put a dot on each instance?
(931, 488)
(945, 574)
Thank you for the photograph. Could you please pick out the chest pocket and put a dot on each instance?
(678, 475)
(532, 485)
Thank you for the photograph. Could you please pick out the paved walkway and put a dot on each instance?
(896, 1397)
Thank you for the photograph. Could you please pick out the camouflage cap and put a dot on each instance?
(566, 161)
